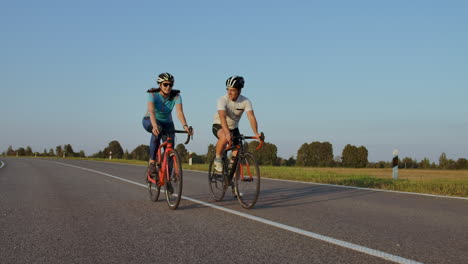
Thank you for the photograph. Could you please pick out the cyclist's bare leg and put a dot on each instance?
(221, 144)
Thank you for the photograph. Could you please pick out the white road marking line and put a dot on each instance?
(341, 243)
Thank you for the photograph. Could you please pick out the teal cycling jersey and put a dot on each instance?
(163, 106)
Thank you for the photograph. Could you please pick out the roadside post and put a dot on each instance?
(395, 164)
(110, 155)
(190, 159)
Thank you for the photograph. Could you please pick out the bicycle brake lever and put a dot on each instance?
(189, 136)
(262, 137)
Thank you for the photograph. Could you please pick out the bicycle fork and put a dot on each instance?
(245, 165)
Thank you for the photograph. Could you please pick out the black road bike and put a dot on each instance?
(241, 172)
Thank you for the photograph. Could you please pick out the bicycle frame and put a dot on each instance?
(240, 154)
(162, 161)
(167, 144)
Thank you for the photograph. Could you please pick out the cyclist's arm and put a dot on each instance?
(181, 116)
(153, 118)
(253, 122)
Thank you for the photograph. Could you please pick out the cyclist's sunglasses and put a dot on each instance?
(168, 84)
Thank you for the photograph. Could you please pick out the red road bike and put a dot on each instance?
(169, 172)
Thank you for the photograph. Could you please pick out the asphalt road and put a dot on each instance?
(70, 211)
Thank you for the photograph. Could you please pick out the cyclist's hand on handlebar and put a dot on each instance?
(189, 130)
(260, 136)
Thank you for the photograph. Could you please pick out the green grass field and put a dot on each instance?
(441, 182)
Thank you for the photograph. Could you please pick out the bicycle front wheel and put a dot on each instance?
(218, 181)
(173, 179)
(247, 180)
(153, 188)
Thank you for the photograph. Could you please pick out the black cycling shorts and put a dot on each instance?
(234, 132)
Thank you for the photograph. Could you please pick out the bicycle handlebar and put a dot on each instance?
(180, 131)
(261, 139)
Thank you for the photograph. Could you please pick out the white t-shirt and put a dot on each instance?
(234, 110)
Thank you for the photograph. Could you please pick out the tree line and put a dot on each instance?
(314, 154)
(444, 163)
(60, 151)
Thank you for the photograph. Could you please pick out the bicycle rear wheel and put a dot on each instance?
(173, 179)
(247, 180)
(218, 181)
(153, 188)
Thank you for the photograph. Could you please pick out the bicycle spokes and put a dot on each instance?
(153, 187)
(173, 179)
(218, 181)
(247, 181)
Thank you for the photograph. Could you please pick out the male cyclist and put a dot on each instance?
(226, 120)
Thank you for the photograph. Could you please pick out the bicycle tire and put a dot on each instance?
(174, 174)
(218, 182)
(247, 180)
(153, 189)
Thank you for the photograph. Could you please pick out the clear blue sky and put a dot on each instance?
(379, 74)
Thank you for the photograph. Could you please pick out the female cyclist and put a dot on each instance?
(158, 118)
